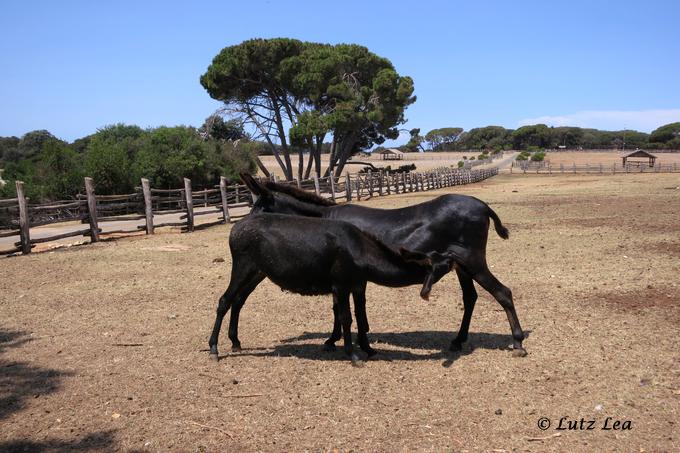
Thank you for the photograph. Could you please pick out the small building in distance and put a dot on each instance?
(639, 157)
(391, 154)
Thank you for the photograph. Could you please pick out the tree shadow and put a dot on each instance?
(99, 441)
(423, 340)
(21, 382)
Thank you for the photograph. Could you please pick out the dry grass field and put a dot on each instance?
(103, 347)
(428, 161)
(423, 161)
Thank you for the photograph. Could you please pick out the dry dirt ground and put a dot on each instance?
(605, 158)
(103, 347)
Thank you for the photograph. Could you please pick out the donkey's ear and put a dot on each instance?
(416, 257)
(255, 187)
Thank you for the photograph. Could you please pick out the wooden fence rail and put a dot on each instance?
(223, 200)
(603, 169)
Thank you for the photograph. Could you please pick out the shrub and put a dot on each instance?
(538, 157)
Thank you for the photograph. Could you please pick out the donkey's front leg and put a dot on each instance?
(362, 321)
(329, 344)
(341, 300)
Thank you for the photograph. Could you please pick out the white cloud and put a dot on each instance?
(640, 120)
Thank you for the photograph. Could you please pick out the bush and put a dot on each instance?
(461, 164)
(538, 157)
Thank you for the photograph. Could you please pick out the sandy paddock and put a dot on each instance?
(103, 347)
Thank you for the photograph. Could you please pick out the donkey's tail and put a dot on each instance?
(500, 229)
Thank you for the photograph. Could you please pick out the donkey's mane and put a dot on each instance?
(299, 194)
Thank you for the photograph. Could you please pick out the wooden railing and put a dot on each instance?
(548, 168)
(228, 202)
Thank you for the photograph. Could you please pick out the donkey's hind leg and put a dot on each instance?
(249, 286)
(469, 299)
(503, 295)
(243, 282)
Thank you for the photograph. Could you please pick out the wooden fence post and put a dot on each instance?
(380, 183)
(92, 209)
(189, 198)
(225, 204)
(359, 186)
(331, 180)
(148, 207)
(348, 187)
(370, 183)
(24, 227)
(316, 184)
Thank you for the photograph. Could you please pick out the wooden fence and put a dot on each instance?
(147, 203)
(603, 169)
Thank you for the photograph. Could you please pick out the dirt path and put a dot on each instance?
(103, 347)
(67, 227)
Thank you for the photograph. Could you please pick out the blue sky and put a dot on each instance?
(72, 67)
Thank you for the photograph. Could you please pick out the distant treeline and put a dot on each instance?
(540, 136)
(118, 156)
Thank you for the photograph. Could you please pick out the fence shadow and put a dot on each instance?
(21, 382)
(423, 340)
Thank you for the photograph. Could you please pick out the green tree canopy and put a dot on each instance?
(216, 128)
(489, 137)
(443, 139)
(537, 135)
(666, 136)
(294, 93)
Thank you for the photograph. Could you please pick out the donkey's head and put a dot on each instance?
(268, 198)
(436, 264)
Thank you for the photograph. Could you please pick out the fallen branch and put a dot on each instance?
(532, 439)
(213, 427)
(243, 396)
(127, 344)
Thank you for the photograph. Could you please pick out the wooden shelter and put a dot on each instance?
(391, 154)
(638, 157)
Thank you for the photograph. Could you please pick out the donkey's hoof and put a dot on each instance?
(357, 362)
(370, 352)
(329, 347)
(214, 357)
(519, 352)
(236, 348)
(456, 346)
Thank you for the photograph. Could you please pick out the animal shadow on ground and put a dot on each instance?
(425, 340)
(21, 382)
